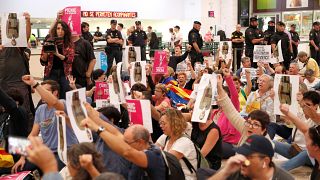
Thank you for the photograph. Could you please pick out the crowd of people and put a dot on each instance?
(242, 128)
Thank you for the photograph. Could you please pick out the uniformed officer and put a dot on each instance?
(114, 44)
(237, 45)
(195, 40)
(285, 43)
(295, 40)
(139, 38)
(253, 36)
(269, 32)
(314, 44)
(85, 32)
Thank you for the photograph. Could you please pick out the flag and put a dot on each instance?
(176, 94)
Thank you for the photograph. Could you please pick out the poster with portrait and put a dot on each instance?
(160, 65)
(277, 54)
(225, 50)
(297, 3)
(286, 88)
(139, 116)
(77, 112)
(72, 16)
(138, 73)
(117, 91)
(62, 138)
(253, 74)
(205, 95)
(262, 53)
(102, 91)
(131, 54)
(13, 30)
(101, 60)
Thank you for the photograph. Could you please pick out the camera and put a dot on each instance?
(50, 44)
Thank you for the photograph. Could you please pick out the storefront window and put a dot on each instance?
(302, 20)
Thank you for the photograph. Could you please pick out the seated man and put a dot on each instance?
(246, 63)
(308, 63)
(46, 121)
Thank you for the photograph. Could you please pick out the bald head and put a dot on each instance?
(139, 132)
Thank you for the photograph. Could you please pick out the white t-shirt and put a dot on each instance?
(184, 146)
(178, 38)
(310, 85)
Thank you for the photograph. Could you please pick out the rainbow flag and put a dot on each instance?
(179, 96)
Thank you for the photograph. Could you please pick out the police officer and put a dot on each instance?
(195, 40)
(269, 32)
(285, 43)
(114, 44)
(295, 40)
(237, 45)
(139, 38)
(85, 32)
(314, 44)
(253, 36)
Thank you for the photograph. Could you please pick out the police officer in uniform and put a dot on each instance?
(139, 38)
(253, 36)
(269, 32)
(237, 45)
(195, 40)
(295, 40)
(314, 44)
(114, 44)
(285, 43)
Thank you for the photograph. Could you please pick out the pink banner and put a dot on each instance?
(102, 91)
(160, 65)
(135, 111)
(72, 16)
(17, 176)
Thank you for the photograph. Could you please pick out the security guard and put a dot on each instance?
(295, 40)
(285, 43)
(114, 44)
(237, 45)
(195, 40)
(139, 38)
(269, 32)
(253, 36)
(314, 44)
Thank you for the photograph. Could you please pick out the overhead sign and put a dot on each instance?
(108, 14)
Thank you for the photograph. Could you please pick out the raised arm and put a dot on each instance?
(232, 88)
(302, 126)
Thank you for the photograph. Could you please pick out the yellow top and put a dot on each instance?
(312, 64)
(242, 100)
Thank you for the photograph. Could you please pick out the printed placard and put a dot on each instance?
(62, 138)
(116, 88)
(17, 176)
(160, 65)
(138, 73)
(225, 50)
(253, 73)
(101, 61)
(77, 112)
(205, 96)
(72, 16)
(13, 30)
(277, 54)
(101, 103)
(137, 116)
(262, 53)
(286, 88)
(102, 91)
(131, 54)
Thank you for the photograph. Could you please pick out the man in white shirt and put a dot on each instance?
(123, 34)
(178, 37)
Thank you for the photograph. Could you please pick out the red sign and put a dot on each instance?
(160, 65)
(210, 13)
(108, 14)
(102, 91)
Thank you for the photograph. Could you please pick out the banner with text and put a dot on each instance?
(72, 16)
(160, 65)
(137, 116)
(262, 53)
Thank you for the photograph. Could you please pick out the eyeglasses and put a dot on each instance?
(132, 141)
(252, 125)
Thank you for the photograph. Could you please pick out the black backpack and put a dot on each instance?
(173, 167)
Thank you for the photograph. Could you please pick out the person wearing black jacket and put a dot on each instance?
(153, 44)
(178, 58)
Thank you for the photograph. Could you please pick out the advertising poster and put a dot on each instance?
(102, 91)
(72, 16)
(13, 30)
(286, 88)
(62, 138)
(206, 90)
(262, 53)
(77, 112)
(130, 54)
(137, 116)
(138, 73)
(101, 61)
(160, 65)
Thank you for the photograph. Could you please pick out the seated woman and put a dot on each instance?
(175, 142)
(161, 101)
(84, 161)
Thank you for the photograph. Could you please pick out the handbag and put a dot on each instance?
(294, 148)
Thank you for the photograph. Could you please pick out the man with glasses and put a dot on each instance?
(139, 38)
(114, 45)
(252, 161)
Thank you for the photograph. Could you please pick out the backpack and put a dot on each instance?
(173, 167)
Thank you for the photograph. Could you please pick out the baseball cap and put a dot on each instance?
(138, 22)
(113, 21)
(253, 19)
(256, 144)
(196, 22)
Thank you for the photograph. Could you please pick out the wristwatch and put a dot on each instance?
(100, 130)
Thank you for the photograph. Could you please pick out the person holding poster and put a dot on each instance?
(285, 43)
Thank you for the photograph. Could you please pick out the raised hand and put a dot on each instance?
(226, 72)
(85, 161)
(28, 79)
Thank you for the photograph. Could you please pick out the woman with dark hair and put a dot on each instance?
(154, 44)
(84, 161)
(58, 64)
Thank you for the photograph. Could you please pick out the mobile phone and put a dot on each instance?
(18, 145)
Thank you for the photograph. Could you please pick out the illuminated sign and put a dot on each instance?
(108, 14)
